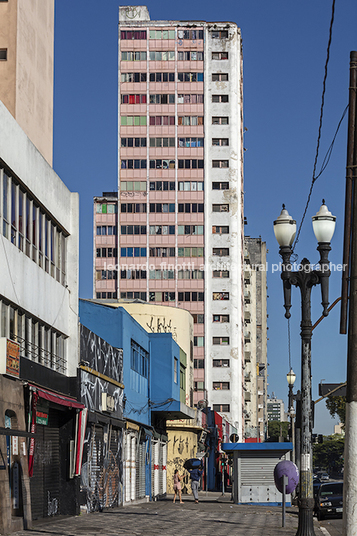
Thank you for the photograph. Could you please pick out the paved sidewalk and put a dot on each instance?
(213, 516)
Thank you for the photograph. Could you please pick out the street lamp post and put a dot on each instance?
(291, 377)
(305, 278)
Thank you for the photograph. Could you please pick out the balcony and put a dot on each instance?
(247, 357)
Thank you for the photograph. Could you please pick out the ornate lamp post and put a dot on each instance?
(291, 377)
(305, 278)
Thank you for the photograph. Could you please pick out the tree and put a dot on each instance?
(329, 454)
(274, 428)
(337, 406)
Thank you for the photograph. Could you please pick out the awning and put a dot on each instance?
(57, 398)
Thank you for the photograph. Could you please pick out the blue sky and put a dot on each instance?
(284, 53)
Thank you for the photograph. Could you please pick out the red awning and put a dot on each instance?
(57, 398)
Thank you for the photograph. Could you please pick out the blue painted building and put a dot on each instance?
(154, 385)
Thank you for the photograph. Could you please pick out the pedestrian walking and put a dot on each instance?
(195, 475)
(177, 486)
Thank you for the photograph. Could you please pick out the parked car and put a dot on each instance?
(329, 500)
(324, 477)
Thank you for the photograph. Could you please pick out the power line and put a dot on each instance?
(314, 177)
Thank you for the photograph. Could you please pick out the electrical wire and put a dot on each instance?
(314, 177)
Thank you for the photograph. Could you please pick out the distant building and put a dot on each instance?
(26, 68)
(276, 411)
(339, 429)
(178, 234)
(255, 339)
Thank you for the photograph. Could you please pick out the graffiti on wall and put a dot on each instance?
(92, 388)
(100, 355)
(160, 325)
(102, 471)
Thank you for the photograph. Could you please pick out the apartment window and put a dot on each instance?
(190, 98)
(220, 296)
(220, 186)
(219, 77)
(190, 164)
(133, 274)
(162, 252)
(222, 142)
(162, 77)
(134, 99)
(133, 120)
(29, 228)
(190, 296)
(133, 77)
(220, 55)
(160, 120)
(190, 274)
(162, 207)
(220, 120)
(190, 252)
(221, 362)
(198, 386)
(188, 207)
(103, 275)
(133, 207)
(220, 98)
(162, 230)
(198, 318)
(221, 386)
(162, 274)
(133, 252)
(164, 186)
(133, 142)
(223, 408)
(190, 120)
(106, 208)
(220, 252)
(133, 164)
(133, 229)
(222, 341)
(137, 34)
(131, 295)
(222, 274)
(220, 163)
(162, 99)
(220, 229)
(133, 186)
(219, 34)
(103, 230)
(187, 55)
(162, 142)
(134, 56)
(190, 34)
(220, 208)
(190, 77)
(198, 341)
(139, 359)
(3, 53)
(161, 55)
(198, 363)
(162, 164)
(190, 142)
(162, 296)
(190, 230)
(162, 34)
(191, 186)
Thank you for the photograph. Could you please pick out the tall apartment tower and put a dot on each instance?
(255, 339)
(26, 68)
(180, 188)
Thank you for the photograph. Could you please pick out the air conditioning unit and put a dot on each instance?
(107, 402)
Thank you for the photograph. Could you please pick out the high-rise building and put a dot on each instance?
(177, 236)
(255, 339)
(26, 68)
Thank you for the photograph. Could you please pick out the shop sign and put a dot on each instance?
(42, 412)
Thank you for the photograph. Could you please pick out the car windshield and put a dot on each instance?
(331, 489)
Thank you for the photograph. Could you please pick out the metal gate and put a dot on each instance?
(155, 468)
(130, 466)
(45, 482)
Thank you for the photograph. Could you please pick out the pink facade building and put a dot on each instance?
(173, 233)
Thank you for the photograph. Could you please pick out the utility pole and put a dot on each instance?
(350, 242)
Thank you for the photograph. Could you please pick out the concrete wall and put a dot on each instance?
(26, 78)
(22, 281)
